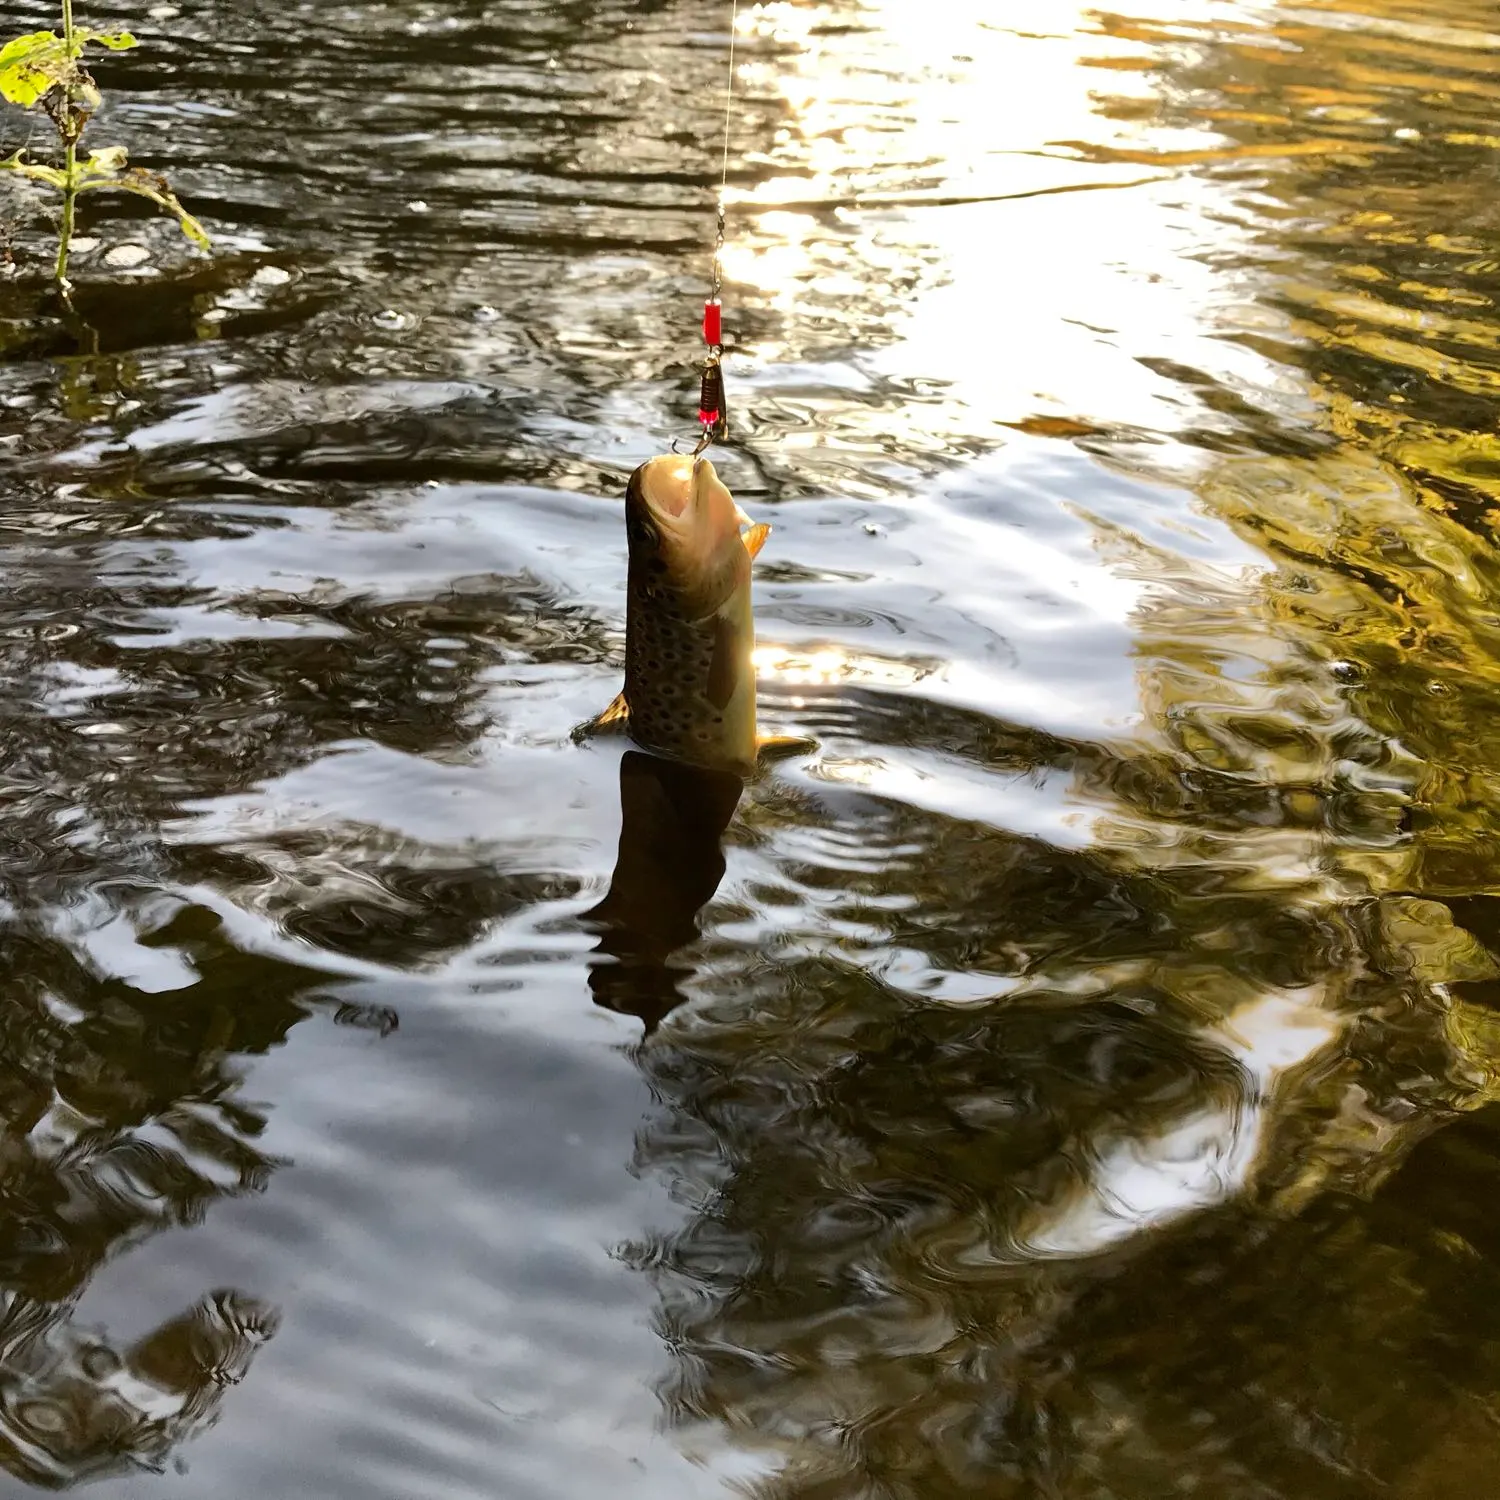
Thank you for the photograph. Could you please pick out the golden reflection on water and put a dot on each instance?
(830, 665)
(1003, 306)
(1298, 331)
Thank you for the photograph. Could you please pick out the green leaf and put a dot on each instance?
(144, 185)
(109, 162)
(193, 229)
(116, 41)
(32, 64)
(40, 60)
(52, 176)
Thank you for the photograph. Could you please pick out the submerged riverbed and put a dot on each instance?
(1084, 1081)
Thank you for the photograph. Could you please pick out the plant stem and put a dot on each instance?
(65, 233)
(70, 164)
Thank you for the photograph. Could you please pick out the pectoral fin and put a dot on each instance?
(780, 746)
(614, 720)
(755, 538)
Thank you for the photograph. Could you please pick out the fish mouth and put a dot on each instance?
(667, 485)
(688, 491)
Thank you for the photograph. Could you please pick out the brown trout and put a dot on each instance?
(689, 679)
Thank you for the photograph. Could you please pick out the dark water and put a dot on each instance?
(1084, 1082)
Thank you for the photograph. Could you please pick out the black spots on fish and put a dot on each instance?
(683, 670)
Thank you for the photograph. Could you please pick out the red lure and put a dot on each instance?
(712, 417)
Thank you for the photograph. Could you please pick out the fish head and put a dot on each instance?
(685, 526)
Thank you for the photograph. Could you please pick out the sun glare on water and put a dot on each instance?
(829, 665)
(956, 179)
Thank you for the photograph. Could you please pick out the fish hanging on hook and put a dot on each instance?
(689, 690)
(689, 693)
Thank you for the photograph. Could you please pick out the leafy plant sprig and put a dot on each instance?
(43, 68)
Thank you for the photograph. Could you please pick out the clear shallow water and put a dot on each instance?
(1083, 1083)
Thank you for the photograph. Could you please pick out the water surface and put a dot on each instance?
(1080, 1079)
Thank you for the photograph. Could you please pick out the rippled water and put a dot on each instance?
(1080, 1079)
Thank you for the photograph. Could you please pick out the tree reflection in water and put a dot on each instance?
(121, 1120)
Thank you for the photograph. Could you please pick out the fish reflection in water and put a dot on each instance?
(670, 863)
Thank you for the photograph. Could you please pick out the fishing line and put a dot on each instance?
(713, 417)
(734, 17)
